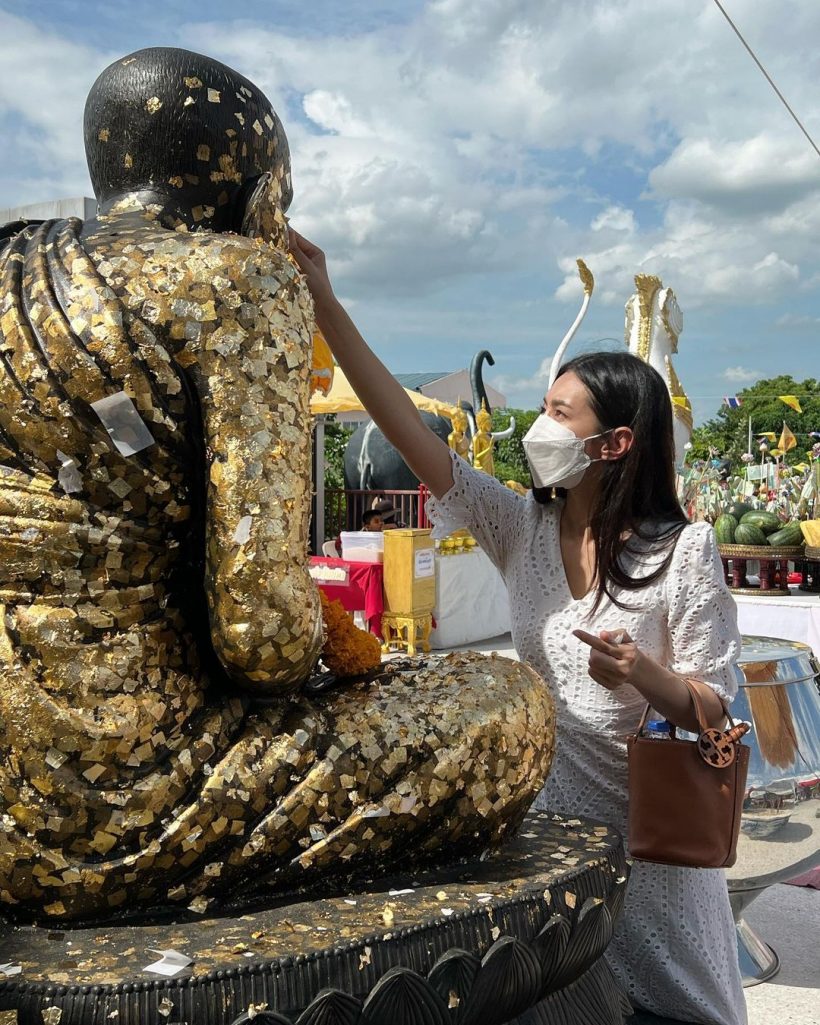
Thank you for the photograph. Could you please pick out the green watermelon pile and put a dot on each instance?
(743, 525)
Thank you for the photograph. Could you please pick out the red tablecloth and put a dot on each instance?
(361, 589)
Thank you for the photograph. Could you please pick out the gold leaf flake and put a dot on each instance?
(213, 96)
(153, 104)
(203, 152)
(103, 135)
(193, 82)
(128, 160)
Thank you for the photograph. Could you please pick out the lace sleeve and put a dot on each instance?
(704, 640)
(482, 505)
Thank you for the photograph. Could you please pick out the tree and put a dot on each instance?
(336, 438)
(727, 432)
(510, 461)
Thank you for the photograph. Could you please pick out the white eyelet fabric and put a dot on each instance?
(674, 949)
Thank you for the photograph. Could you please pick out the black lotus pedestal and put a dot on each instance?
(519, 935)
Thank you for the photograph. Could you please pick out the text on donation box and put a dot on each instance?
(425, 565)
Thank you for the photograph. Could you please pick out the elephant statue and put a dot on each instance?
(371, 463)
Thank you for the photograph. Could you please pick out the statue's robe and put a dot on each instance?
(153, 587)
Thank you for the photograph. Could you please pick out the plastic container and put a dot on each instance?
(363, 546)
(658, 729)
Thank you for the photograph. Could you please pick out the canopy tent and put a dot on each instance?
(342, 399)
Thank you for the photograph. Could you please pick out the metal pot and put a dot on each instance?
(779, 697)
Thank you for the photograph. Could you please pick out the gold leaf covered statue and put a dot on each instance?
(458, 439)
(483, 441)
(154, 500)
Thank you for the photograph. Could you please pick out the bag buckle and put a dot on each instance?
(718, 748)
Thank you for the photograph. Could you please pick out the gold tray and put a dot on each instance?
(761, 551)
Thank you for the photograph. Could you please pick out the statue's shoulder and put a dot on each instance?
(197, 257)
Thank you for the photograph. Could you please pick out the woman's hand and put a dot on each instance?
(614, 658)
(312, 264)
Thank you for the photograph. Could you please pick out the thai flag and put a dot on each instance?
(732, 401)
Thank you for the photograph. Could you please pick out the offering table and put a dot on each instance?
(359, 586)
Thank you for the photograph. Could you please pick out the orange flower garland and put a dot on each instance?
(347, 651)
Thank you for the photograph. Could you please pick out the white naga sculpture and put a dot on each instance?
(653, 323)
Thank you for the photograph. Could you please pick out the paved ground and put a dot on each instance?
(788, 919)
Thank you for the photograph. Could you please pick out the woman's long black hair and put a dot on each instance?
(637, 501)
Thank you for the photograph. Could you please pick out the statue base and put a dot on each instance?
(517, 935)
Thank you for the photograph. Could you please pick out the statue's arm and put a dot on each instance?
(252, 373)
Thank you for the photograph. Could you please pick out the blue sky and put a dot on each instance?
(453, 157)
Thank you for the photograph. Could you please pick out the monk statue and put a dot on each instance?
(483, 441)
(158, 742)
(457, 438)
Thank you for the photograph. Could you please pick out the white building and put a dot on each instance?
(76, 206)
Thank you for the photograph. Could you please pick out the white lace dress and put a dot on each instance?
(674, 949)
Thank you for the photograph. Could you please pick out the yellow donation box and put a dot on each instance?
(409, 589)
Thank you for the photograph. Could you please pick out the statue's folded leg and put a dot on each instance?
(442, 753)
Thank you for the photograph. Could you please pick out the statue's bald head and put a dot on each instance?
(180, 124)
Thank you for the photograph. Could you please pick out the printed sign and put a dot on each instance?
(425, 563)
(329, 574)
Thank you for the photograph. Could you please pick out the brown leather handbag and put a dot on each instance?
(685, 797)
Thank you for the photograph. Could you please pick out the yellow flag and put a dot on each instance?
(792, 402)
(787, 439)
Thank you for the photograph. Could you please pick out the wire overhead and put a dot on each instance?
(752, 54)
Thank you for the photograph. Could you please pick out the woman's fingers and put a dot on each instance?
(303, 245)
(311, 261)
(597, 643)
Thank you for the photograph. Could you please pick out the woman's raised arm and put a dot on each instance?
(381, 394)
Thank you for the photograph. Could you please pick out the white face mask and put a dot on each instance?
(556, 456)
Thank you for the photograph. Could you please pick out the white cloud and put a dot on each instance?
(759, 175)
(497, 141)
(741, 375)
(797, 322)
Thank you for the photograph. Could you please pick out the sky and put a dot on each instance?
(454, 157)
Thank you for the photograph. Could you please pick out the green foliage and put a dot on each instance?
(336, 438)
(726, 434)
(509, 459)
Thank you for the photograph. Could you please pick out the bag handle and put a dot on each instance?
(717, 747)
(700, 715)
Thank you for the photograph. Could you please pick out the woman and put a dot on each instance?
(614, 597)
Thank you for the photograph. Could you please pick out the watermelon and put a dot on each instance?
(765, 521)
(725, 527)
(739, 510)
(788, 536)
(748, 534)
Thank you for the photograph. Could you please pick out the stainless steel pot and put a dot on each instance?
(779, 697)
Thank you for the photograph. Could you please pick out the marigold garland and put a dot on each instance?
(347, 651)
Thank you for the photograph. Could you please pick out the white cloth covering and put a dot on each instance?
(674, 949)
(471, 600)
